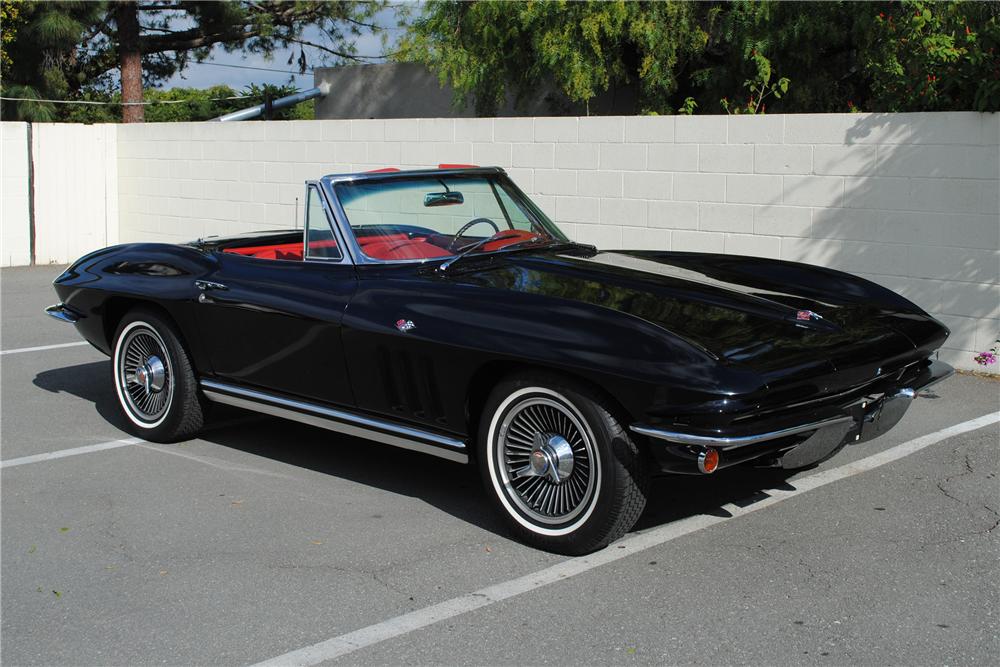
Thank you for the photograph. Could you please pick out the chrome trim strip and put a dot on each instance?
(62, 313)
(332, 223)
(340, 421)
(733, 442)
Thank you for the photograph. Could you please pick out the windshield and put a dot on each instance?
(430, 217)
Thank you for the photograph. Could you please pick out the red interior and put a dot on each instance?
(389, 247)
(292, 251)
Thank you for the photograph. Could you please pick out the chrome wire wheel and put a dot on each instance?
(547, 459)
(144, 374)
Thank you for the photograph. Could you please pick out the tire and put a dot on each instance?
(154, 379)
(528, 423)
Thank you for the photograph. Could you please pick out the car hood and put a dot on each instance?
(769, 315)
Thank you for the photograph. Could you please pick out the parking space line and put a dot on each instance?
(40, 348)
(350, 642)
(115, 444)
(75, 451)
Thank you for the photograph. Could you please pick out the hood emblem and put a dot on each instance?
(807, 315)
(405, 325)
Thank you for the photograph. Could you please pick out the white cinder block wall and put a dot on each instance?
(907, 200)
(15, 243)
(76, 191)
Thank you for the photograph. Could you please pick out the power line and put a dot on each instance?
(124, 104)
(261, 69)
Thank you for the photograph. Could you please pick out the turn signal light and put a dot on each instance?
(708, 461)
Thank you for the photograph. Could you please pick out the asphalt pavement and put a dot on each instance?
(263, 537)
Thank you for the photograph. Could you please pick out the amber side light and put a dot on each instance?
(708, 461)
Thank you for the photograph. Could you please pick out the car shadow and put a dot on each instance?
(91, 382)
(451, 487)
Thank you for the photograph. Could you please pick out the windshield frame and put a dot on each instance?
(496, 176)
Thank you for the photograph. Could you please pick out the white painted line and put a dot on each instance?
(113, 444)
(75, 451)
(421, 618)
(40, 348)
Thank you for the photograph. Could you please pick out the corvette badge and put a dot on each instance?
(405, 325)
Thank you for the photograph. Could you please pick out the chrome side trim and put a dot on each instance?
(340, 421)
(62, 313)
(733, 442)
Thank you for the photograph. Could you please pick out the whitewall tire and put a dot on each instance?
(559, 467)
(154, 379)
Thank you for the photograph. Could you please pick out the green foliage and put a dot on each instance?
(838, 56)
(10, 21)
(758, 88)
(688, 107)
(485, 49)
(930, 56)
(68, 50)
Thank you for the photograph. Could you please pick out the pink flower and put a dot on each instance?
(985, 358)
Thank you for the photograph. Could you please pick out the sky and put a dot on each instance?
(230, 68)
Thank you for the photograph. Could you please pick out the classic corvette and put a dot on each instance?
(442, 311)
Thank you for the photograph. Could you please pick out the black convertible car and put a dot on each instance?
(442, 311)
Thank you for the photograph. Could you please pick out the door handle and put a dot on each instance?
(206, 285)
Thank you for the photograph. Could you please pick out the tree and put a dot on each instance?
(10, 19)
(485, 49)
(822, 56)
(64, 49)
(935, 56)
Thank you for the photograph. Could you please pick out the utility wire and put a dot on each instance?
(98, 103)
(260, 69)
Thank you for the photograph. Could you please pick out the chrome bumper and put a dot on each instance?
(864, 420)
(724, 442)
(63, 313)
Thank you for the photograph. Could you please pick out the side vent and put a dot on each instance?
(411, 385)
(388, 383)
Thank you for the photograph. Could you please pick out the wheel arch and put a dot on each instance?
(490, 374)
(117, 307)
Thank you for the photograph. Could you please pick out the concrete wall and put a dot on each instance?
(910, 200)
(76, 191)
(14, 237)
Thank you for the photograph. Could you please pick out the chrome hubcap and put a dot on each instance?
(152, 375)
(547, 460)
(552, 457)
(144, 374)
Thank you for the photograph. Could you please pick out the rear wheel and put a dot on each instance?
(154, 378)
(560, 468)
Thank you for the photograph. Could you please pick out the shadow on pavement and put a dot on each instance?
(451, 487)
(91, 382)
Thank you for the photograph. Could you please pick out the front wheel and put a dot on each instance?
(154, 378)
(560, 468)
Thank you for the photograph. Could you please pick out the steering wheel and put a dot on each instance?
(466, 226)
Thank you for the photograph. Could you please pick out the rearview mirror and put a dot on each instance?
(443, 198)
